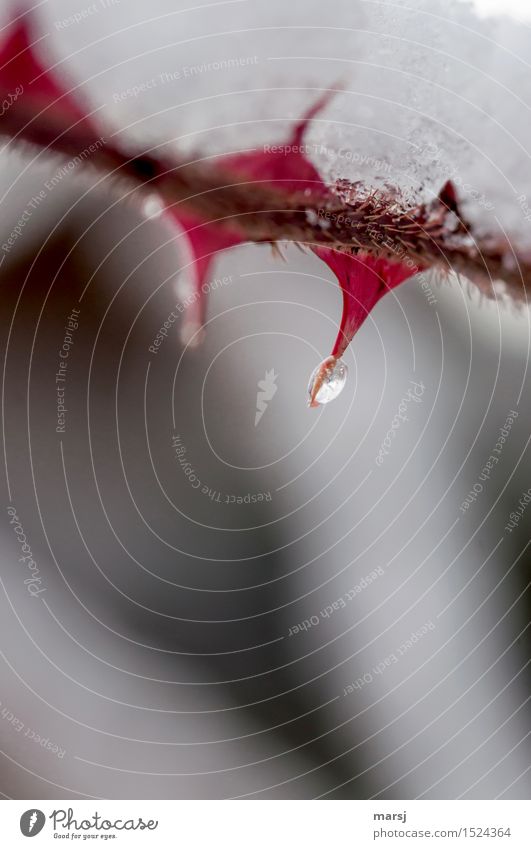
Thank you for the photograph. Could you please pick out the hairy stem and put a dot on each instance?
(350, 218)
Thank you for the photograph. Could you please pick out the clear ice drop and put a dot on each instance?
(327, 381)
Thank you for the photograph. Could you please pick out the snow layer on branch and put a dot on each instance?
(437, 93)
(431, 90)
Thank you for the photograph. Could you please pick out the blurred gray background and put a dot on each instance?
(163, 659)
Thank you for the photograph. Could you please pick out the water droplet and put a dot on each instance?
(192, 334)
(153, 207)
(327, 381)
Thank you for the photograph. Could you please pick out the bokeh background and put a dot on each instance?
(165, 657)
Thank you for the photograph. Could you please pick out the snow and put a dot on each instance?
(518, 9)
(431, 89)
